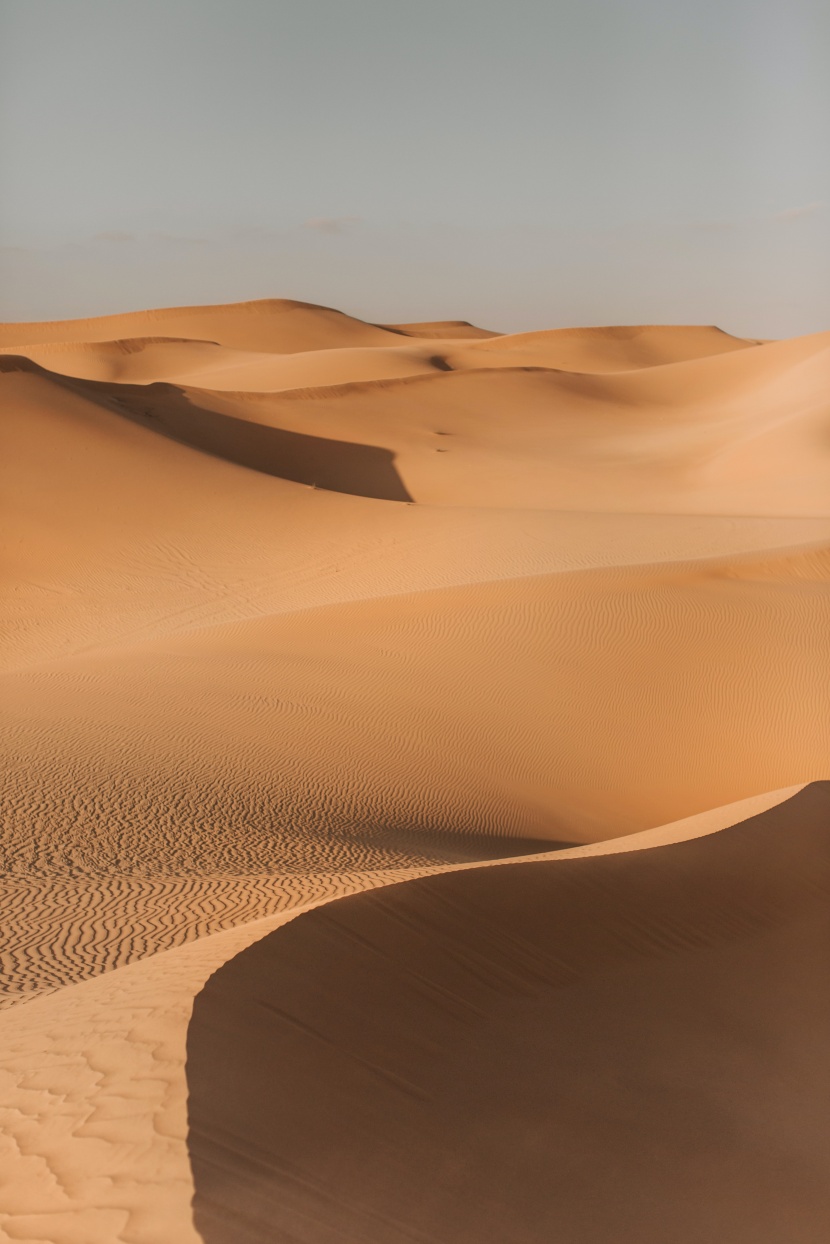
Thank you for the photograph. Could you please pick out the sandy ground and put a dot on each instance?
(296, 606)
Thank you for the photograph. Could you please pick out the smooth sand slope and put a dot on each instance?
(295, 605)
(622, 1047)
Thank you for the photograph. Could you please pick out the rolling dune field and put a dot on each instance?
(502, 663)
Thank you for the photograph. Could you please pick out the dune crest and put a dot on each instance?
(141, 1015)
(480, 1045)
(297, 606)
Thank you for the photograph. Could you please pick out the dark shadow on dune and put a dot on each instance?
(339, 466)
(448, 846)
(627, 1048)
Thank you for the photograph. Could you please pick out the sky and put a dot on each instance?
(526, 165)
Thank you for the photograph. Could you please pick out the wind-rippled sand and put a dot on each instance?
(296, 607)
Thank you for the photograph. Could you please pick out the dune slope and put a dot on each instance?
(296, 605)
(625, 1047)
(93, 1103)
(742, 432)
(278, 324)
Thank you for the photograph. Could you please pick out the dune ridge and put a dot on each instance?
(441, 1076)
(298, 606)
(59, 1171)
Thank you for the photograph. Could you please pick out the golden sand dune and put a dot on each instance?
(624, 1047)
(209, 364)
(614, 349)
(296, 605)
(276, 324)
(742, 432)
(94, 1079)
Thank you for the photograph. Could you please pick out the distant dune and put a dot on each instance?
(297, 606)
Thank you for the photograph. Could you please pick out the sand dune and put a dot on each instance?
(296, 605)
(208, 364)
(82, 1052)
(614, 349)
(625, 1047)
(144, 360)
(737, 433)
(281, 325)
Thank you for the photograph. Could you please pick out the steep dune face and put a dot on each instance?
(740, 433)
(744, 432)
(625, 1047)
(113, 1050)
(296, 605)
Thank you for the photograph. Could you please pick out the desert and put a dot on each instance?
(415, 755)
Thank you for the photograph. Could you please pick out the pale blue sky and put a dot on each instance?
(525, 165)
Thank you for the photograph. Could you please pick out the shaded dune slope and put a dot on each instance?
(208, 660)
(457, 330)
(114, 533)
(296, 606)
(625, 1047)
(93, 1114)
(324, 462)
(743, 432)
(738, 433)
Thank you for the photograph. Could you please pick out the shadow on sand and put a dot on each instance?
(627, 1047)
(338, 466)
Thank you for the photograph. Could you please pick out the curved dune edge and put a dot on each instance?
(196, 362)
(230, 694)
(736, 433)
(279, 324)
(94, 1116)
(603, 1045)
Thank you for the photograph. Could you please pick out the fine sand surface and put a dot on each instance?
(295, 606)
(623, 1047)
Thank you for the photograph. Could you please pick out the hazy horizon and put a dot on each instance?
(546, 166)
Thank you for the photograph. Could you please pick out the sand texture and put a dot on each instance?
(304, 614)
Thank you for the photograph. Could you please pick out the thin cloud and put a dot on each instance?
(330, 224)
(726, 225)
(177, 239)
(114, 235)
(793, 213)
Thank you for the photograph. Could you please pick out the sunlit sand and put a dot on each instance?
(500, 662)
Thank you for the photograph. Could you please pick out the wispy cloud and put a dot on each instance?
(114, 235)
(177, 239)
(331, 224)
(727, 225)
(793, 213)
